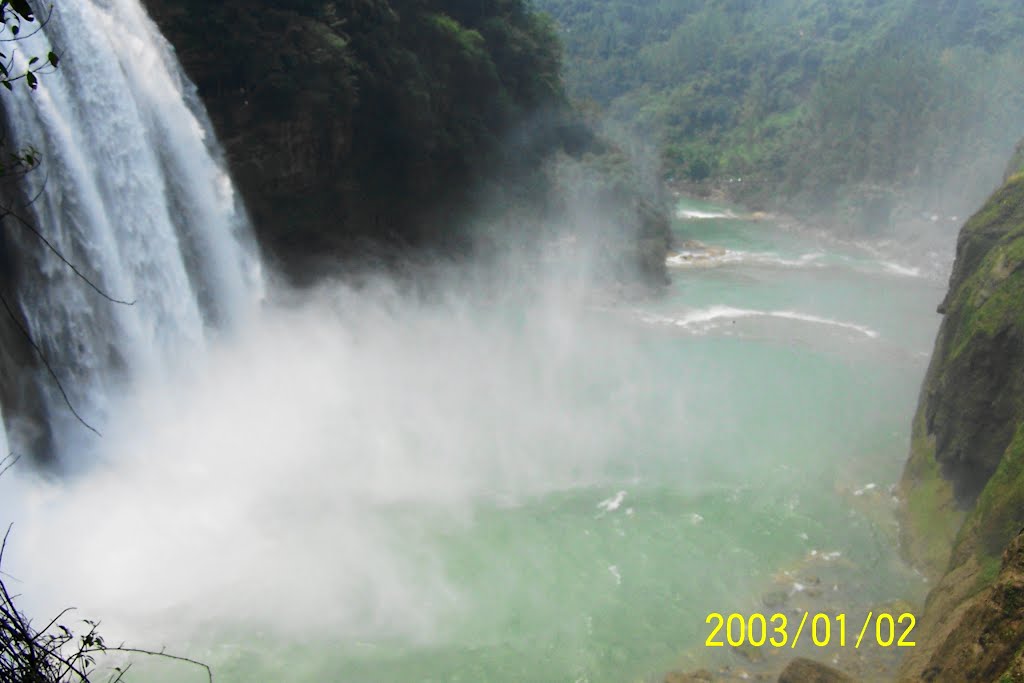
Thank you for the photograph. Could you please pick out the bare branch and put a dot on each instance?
(8, 213)
(46, 364)
(9, 461)
(152, 653)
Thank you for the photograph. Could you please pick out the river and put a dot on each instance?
(377, 484)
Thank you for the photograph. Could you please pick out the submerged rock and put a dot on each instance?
(774, 599)
(808, 671)
(701, 676)
(752, 654)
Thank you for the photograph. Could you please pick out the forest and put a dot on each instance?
(381, 123)
(857, 109)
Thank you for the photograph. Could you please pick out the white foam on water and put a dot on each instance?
(900, 269)
(715, 257)
(706, 319)
(612, 504)
(804, 317)
(614, 571)
(696, 214)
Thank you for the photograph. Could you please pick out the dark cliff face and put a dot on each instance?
(964, 482)
(972, 400)
(974, 389)
(358, 126)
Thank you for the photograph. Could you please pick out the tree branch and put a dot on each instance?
(6, 212)
(152, 653)
(46, 364)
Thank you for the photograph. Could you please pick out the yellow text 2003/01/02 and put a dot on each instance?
(822, 630)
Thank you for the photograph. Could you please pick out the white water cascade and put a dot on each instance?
(134, 192)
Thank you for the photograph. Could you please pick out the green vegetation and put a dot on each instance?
(387, 104)
(930, 518)
(377, 122)
(831, 105)
(18, 19)
(967, 458)
(968, 446)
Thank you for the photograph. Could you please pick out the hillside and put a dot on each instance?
(355, 128)
(859, 111)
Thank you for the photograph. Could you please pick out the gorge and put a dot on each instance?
(433, 412)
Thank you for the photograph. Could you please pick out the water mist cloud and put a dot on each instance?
(298, 473)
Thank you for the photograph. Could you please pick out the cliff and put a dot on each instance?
(358, 128)
(963, 484)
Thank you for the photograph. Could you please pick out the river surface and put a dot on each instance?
(372, 486)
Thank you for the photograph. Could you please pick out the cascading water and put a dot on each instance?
(133, 191)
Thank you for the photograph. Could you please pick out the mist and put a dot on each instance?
(398, 469)
(301, 461)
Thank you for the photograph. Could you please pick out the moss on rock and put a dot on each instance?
(963, 485)
(985, 640)
(973, 397)
(930, 516)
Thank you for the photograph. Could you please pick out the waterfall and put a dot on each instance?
(134, 191)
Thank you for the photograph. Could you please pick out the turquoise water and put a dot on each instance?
(562, 499)
(746, 434)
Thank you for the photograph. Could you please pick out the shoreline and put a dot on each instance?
(925, 246)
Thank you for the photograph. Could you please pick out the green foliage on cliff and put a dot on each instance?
(355, 123)
(967, 458)
(369, 111)
(930, 516)
(969, 434)
(999, 513)
(821, 101)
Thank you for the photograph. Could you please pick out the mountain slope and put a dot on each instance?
(861, 110)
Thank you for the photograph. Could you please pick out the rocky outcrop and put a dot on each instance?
(971, 400)
(358, 128)
(985, 642)
(963, 485)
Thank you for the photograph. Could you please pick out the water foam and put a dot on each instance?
(696, 214)
(713, 257)
(706, 319)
